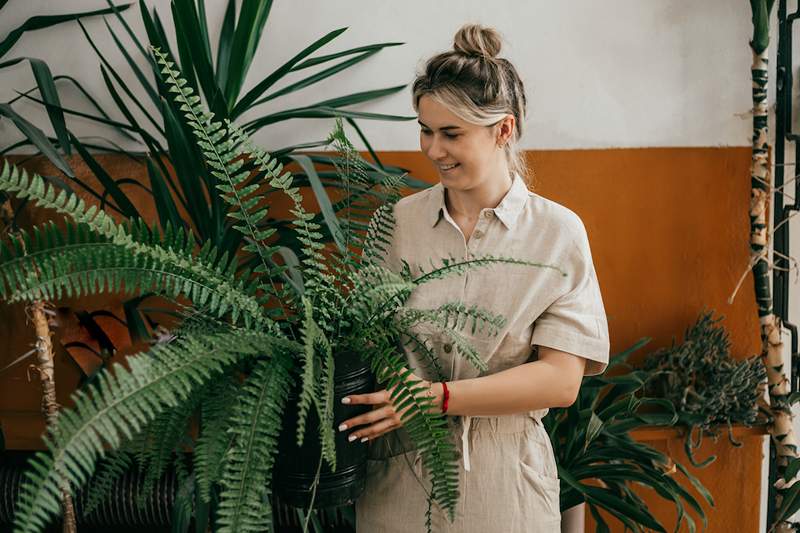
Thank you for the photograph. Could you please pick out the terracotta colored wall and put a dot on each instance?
(668, 229)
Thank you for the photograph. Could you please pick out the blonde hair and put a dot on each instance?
(476, 85)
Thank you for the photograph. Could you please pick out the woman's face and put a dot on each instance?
(464, 154)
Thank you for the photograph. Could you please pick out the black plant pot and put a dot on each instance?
(296, 467)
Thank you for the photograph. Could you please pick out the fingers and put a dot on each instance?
(370, 417)
(379, 397)
(375, 430)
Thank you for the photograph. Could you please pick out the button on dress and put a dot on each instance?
(508, 481)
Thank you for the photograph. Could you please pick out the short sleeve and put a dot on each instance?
(575, 322)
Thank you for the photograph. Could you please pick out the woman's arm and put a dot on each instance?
(552, 381)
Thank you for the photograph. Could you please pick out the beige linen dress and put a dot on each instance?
(508, 481)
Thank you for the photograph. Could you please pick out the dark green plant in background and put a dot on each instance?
(178, 177)
(592, 442)
(705, 385)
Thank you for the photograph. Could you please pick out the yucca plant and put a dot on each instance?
(247, 334)
(592, 442)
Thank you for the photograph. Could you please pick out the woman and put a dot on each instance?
(471, 110)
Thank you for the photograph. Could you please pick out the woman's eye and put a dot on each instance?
(450, 135)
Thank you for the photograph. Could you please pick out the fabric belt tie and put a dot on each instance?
(465, 441)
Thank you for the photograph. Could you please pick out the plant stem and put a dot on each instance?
(44, 364)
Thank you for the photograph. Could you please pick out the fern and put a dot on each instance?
(232, 295)
(214, 440)
(110, 469)
(118, 407)
(255, 428)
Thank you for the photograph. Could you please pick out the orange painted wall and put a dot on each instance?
(668, 229)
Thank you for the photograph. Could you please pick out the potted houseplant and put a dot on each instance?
(245, 334)
(705, 385)
(591, 440)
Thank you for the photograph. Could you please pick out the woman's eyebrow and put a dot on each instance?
(442, 128)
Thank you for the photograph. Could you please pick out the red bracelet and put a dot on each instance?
(446, 397)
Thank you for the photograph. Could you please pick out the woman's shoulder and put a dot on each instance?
(543, 212)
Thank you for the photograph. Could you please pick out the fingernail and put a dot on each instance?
(365, 439)
(342, 427)
(345, 400)
(351, 438)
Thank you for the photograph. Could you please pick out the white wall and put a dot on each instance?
(621, 73)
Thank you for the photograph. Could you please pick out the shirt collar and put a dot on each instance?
(508, 210)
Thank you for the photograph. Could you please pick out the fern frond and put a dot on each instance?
(455, 315)
(46, 265)
(324, 404)
(109, 470)
(360, 198)
(256, 425)
(162, 440)
(236, 296)
(314, 339)
(456, 267)
(214, 439)
(316, 274)
(428, 431)
(223, 153)
(118, 407)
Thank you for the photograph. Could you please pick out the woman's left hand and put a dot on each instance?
(384, 416)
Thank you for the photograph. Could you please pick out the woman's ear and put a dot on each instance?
(505, 130)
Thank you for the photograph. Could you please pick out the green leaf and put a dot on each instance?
(167, 210)
(613, 503)
(358, 98)
(38, 138)
(47, 88)
(120, 198)
(323, 200)
(143, 81)
(593, 429)
(252, 19)
(324, 59)
(252, 95)
(315, 78)
(105, 68)
(318, 112)
(225, 44)
(46, 21)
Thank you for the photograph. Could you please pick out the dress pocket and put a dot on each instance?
(539, 473)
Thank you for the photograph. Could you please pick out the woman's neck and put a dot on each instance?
(467, 205)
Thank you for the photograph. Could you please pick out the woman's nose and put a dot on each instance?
(435, 150)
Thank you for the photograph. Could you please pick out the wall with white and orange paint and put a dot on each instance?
(638, 120)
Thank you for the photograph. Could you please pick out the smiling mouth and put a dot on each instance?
(445, 168)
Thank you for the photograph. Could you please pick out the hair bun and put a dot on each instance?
(474, 39)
